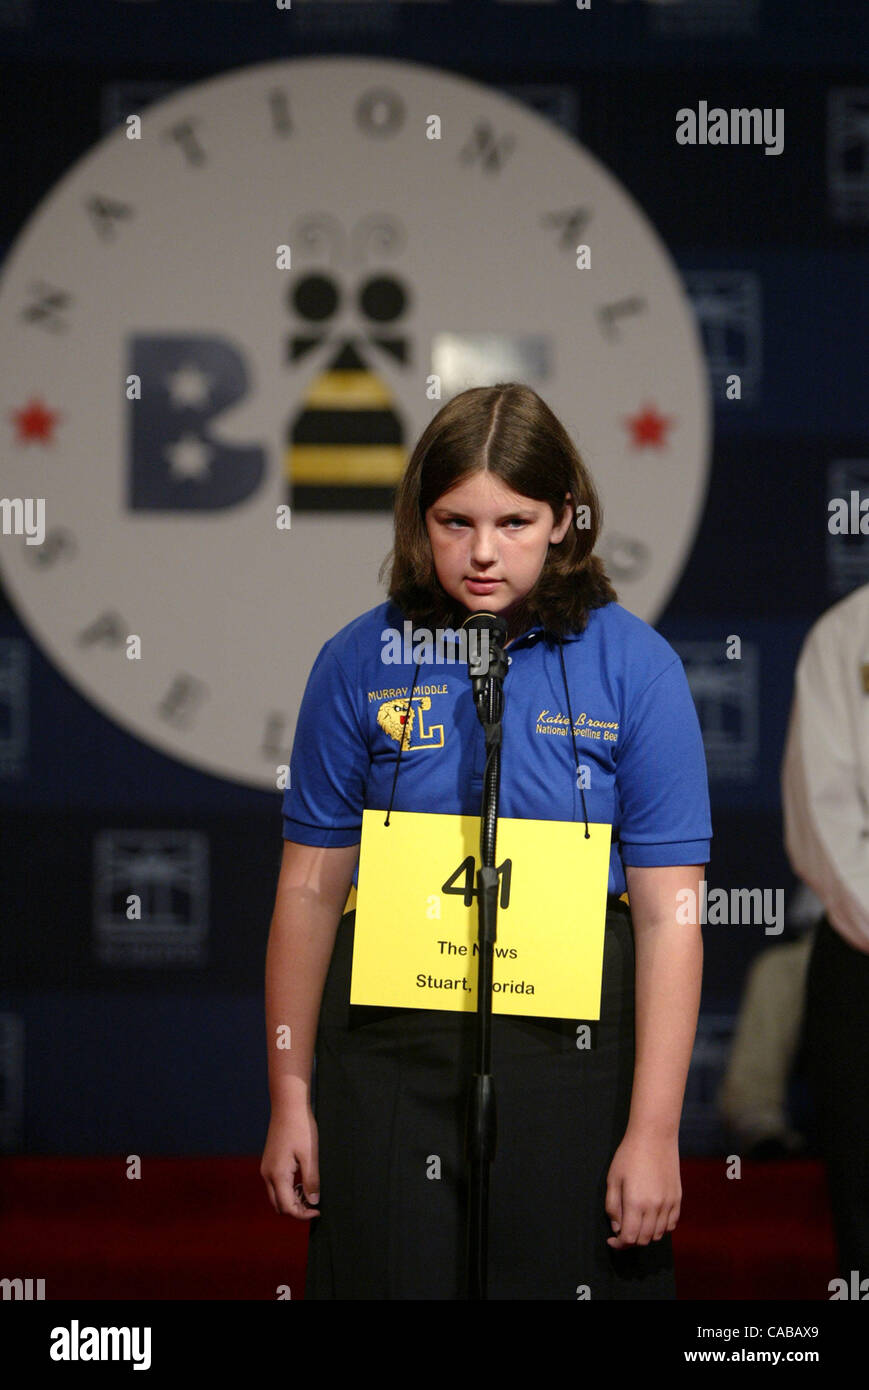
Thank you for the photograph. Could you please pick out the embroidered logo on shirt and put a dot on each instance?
(391, 717)
(603, 729)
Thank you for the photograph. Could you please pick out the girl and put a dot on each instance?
(495, 512)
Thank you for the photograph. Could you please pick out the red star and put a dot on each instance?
(35, 421)
(648, 427)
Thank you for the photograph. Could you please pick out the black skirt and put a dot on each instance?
(390, 1097)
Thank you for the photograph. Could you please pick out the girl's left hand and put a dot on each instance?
(644, 1190)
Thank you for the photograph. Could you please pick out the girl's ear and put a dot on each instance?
(566, 517)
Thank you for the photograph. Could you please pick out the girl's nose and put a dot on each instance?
(484, 546)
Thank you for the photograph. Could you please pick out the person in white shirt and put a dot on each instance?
(825, 805)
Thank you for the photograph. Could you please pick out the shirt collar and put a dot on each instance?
(537, 629)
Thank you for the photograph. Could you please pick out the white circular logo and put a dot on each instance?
(223, 337)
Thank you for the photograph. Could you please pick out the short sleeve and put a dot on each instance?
(661, 776)
(330, 761)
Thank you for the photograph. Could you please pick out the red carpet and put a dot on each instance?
(204, 1229)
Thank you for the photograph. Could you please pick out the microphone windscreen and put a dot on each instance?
(492, 623)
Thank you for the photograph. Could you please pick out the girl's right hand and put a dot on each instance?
(291, 1143)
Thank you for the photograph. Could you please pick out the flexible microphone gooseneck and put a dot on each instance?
(487, 667)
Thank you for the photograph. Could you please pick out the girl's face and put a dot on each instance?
(489, 542)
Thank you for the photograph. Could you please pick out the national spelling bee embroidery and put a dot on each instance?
(549, 722)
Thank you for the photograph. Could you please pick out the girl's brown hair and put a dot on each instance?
(509, 431)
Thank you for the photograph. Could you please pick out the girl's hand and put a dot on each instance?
(291, 1143)
(644, 1189)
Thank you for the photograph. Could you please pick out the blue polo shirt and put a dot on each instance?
(637, 733)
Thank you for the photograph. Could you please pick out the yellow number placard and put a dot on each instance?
(415, 941)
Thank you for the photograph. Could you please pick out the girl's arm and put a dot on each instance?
(312, 890)
(669, 965)
(644, 1190)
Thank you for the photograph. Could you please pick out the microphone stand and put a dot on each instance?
(487, 675)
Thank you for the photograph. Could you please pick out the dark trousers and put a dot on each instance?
(390, 1106)
(837, 1066)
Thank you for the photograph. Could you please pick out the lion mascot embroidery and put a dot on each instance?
(392, 715)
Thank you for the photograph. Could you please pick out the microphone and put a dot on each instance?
(485, 656)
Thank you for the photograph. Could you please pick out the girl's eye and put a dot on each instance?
(511, 521)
